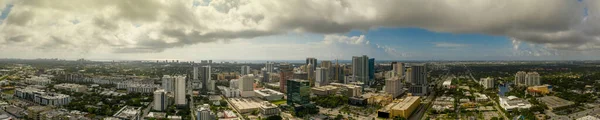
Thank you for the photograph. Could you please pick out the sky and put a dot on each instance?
(193, 30)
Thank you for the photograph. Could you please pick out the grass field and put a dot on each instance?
(279, 102)
(8, 92)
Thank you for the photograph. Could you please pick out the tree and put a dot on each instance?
(274, 117)
(339, 117)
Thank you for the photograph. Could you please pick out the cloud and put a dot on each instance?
(330, 39)
(449, 45)
(132, 26)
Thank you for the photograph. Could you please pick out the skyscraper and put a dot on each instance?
(371, 71)
(311, 74)
(207, 83)
(247, 86)
(269, 67)
(394, 86)
(204, 113)
(532, 79)
(322, 76)
(180, 90)
(360, 69)
(326, 64)
(298, 92)
(266, 76)
(313, 62)
(338, 73)
(168, 83)
(160, 100)
(398, 67)
(245, 70)
(419, 80)
(408, 75)
(285, 73)
(520, 78)
(195, 74)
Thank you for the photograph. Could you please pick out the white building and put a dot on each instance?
(38, 80)
(247, 85)
(532, 79)
(394, 86)
(245, 70)
(195, 73)
(180, 90)
(168, 83)
(141, 88)
(447, 84)
(269, 67)
(360, 68)
(269, 94)
(487, 83)
(520, 78)
(71, 87)
(40, 97)
(204, 113)
(233, 83)
(322, 77)
(398, 69)
(268, 109)
(229, 92)
(160, 100)
(511, 103)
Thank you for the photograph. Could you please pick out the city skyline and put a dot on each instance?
(260, 30)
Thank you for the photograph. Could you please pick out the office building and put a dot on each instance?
(269, 67)
(268, 109)
(326, 64)
(160, 100)
(322, 77)
(285, 73)
(311, 74)
(195, 73)
(207, 82)
(360, 69)
(247, 85)
(180, 90)
(245, 70)
(511, 103)
(398, 68)
(532, 79)
(338, 73)
(168, 83)
(312, 62)
(325, 90)
(487, 83)
(371, 67)
(400, 108)
(394, 86)
(408, 75)
(419, 80)
(204, 113)
(520, 78)
(265, 76)
(298, 92)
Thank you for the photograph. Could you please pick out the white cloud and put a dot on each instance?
(133, 26)
(449, 45)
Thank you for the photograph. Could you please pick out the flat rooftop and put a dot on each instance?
(403, 104)
(555, 102)
(245, 103)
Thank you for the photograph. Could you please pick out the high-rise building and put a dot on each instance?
(408, 75)
(207, 83)
(180, 90)
(371, 71)
(195, 74)
(313, 62)
(326, 64)
(285, 73)
(532, 79)
(269, 67)
(322, 77)
(419, 80)
(338, 73)
(487, 83)
(394, 86)
(311, 74)
(247, 85)
(245, 70)
(160, 100)
(360, 69)
(204, 113)
(520, 78)
(168, 83)
(298, 92)
(266, 76)
(398, 67)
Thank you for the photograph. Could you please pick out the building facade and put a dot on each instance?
(360, 68)
(160, 100)
(419, 85)
(180, 90)
(487, 83)
(322, 77)
(394, 86)
(247, 85)
(298, 92)
(285, 73)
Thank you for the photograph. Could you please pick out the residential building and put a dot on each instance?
(245, 70)
(298, 92)
(394, 86)
(269, 67)
(204, 113)
(269, 94)
(360, 68)
(398, 68)
(408, 75)
(247, 85)
(129, 113)
(268, 109)
(160, 100)
(419, 85)
(168, 83)
(229, 92)
(71, 87)
(195, 74)
(400, 108)
(312, 62)
(520, 78)
(285, 73)
(180, 90)
(487, 83)
(539, 90)
(265, 77)
(532, 79)
(34, 112)
(207, 83)
(38, 80)
(311, 74)
(43, 98)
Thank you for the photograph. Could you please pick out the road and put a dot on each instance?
(496, 105)
(147, 109)
(593, 111)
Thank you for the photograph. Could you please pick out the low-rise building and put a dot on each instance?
(36, 80)
(539, 90)
(71, 87)
(40, 97)
(33, 112)
(349, 90)
(511, 103)
(481, 97)
(325, 90)
(129, 113)
(245, 105)
(204, 113)
(400, 108)
(229, 92)
(380, 99)
(554, 102)
(268, 109)
(269, 94)
(155, 115)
